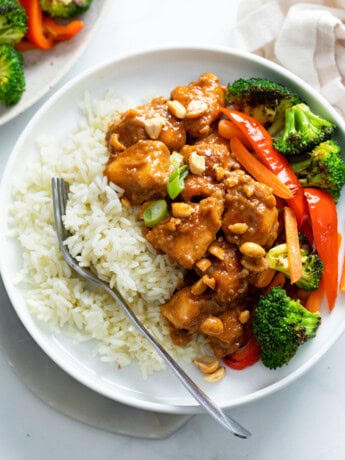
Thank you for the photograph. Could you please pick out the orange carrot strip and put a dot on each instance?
(293, 246)
(35, 33)
(315, 298)
(259, 171)
(228, 130)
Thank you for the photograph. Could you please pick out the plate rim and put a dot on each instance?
(143, 404)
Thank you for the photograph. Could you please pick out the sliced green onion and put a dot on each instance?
(155, 213)
(176, 181)
(176, 159)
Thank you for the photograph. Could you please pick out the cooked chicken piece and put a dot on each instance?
(186, 311)
(185, 240)
(215, 156)
(231, 338)
(231, 284)
(250, 211)
(202, 100)
(213, 138)
(142, 171)
(197, 187)
(150, 121)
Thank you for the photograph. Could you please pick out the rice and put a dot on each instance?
(104, 235)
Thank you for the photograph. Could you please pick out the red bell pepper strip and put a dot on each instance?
(246, 356)
(324, 221)
(61, 32)
(262, 144)
(35, 32)
(25, 45)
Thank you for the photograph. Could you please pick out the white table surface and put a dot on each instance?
(304, 421)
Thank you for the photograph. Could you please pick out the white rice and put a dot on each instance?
(106, 236)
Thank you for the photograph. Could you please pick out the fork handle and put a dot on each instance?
(215, 411)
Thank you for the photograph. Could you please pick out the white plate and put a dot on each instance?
(135, 76)
(44, 69)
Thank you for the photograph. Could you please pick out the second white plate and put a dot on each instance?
(44, 69)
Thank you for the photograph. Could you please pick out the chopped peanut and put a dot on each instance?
(239, 228)
(244, 316)
(217, 251)
(153, 127)
(212, 326)
(215, 376)
(250, 249)
(177, 109)
(203, 264)
(210, 282)
(196, 109)
(115, 143)
(207, 364)
(181, 210)
(197, 164)
(220, 173)
(198, 288)
(173, 223)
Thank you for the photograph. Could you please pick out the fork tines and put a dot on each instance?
(59, 195)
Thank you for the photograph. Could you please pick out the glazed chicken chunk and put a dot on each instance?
(188, 314)
(202, 101)
(150, 121)
(250, 211)
(232, 336)
(185, 240)
(142, 170)
(186, 310)
(230, 278)
(215, 157)
(198, 187)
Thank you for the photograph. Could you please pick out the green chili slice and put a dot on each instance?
(155, 212)
(176, 181)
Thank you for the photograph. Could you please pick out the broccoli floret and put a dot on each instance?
(303, 130)
(65, 8)
(12, 80)
(323, 168)
(263, 99)
(13, 22)
(312, 266)
(280, 325)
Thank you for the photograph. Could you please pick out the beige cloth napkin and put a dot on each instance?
(308, 38)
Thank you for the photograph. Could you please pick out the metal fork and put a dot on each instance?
(60, 196)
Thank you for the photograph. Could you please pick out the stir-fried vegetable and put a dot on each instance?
(246, 356)
(155, 213)
(24, 26)
(176, 181)
(43, 32)
(324, 222)
(293, 246)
